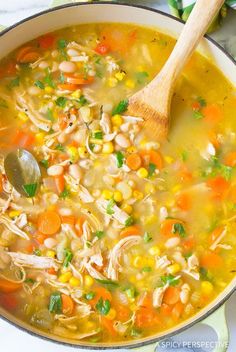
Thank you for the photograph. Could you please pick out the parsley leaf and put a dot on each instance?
(201, 101)
(198, 115)
(110, 206)
(151, 169)
(68, 258)
(49, 115)
(170, 280)
(141, 77)
(62, 78)
(30, 189)
(107, 282)
(61, 101)
(55, 303)
(48, 79)
(82, 100)
(98, 135)
(14, 83)
(129, 221)
(29, 280)
(60, 147)
(89, 296)
(37, 252)
(64, 194)
(99, 234)
(184, 155)
(44, 163)
(39, 84)
(119, 159)
(103, 306)
(179, 229)
(147, 237)
(121, 107)
(62, 43)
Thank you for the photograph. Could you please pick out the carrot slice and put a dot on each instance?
(67, 86)
(49, 222)
(130, 231)
(108, 325)
(177, 310)
(78, 80)
(9, 302)
(134, 161)
(213, 113)
(69, 219)
(165, 310)
(27, 54)
(100, 292)
(102, 48)
(146, 317)
(167, 226)
(122, 312)
(211, 260)
(230, 159)
(60, 183)
(184, 202)
(46, 41)
(218, 185)
(153, 157)
(216, 233)
(171, 295)
(41, 238)
(23, 139)
(67, 304)
(8, 286)
(23, 51)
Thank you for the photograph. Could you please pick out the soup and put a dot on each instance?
(120, 238)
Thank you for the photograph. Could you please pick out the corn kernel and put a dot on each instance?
(83, 153)
(48, 89)
(137, 194)
(50, 254)
(207, 287)
(132, 279)
(111, 315)
(85, 114)
(174, 268)
(63, 278)
(108, 148)
(39, 137)
(120, 75)
(127, 208)
(22, 116)
(118, 197)
(116, 120)
(150, 220)
(133, 307)
(88, 280)
(154, 250)
(168, 159)
(74, 282)
(149, 188)
(176, 188)
(150, 262)
(142, 172)
(112, 82)
(130, 83)
(90, 325)
(14, 213)
(138, 261)
(76, 94)
(140, 68)
(131, 149)
(73, 153)
(107, 194)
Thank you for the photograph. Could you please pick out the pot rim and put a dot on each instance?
(151, 340)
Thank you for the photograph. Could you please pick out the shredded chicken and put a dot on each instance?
(93, 272)
(158, 295)
(118, 214)
(215, 244)
(6, 221)
(115, 255)
(63, 332)
(33, 261)
(105, 123)
(84, 195)
(192, 267)
(162, 262)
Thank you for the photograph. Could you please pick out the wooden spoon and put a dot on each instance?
(152, 103)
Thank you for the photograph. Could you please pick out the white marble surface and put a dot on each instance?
(12, 339)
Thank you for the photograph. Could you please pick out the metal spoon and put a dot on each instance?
(22, 171)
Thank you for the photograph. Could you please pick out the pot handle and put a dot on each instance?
(216, 320)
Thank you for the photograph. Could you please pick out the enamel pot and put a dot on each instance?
(73, 14)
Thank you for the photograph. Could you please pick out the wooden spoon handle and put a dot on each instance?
(194, 29)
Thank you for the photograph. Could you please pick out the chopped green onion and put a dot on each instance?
(39, 84)
(119, 159)
(30, 189)
(55, 303)
(121, 107)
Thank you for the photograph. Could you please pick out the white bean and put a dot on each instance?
(43, 65)
(108, 180)
(122, 141)
(34, 90)
(65, 212)
(172, 242)
(50, 243)
(125, 127)
(72, 52)
(185, 293)
(85, 114)
(55, 170)
(75, 171)
(125, 189)
(97, 148)
(67, 66)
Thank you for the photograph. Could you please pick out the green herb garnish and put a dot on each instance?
(62, 78)
(68, 258)
(198, 115)
(14, 83)
(82, 100)
(44, 163)
(49, 115)
(141, 77)
(62, 43)
(39, 84)
(169, 280)
(119, 159)
(103, 306)
(64, 194)
(134, 332)
(129, 221)
(121, 107)
(30, 189)
(98, 135)
(151, 169)
(89, 296)
(178, 228)
(107, 282)
(99, 234)
(201, 101)
(61, 101)
(60, 147)
(147, 237)
(184, 155)
(29, 281)
(48, 80)
(146, 269)
(55, 303)
(37, 252)
(110, 206)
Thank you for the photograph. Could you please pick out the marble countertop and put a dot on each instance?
(12, 339)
